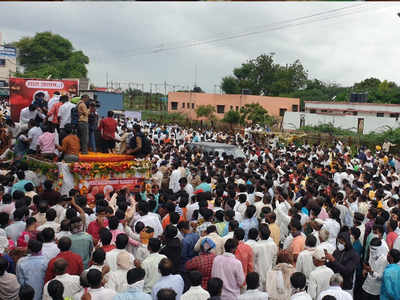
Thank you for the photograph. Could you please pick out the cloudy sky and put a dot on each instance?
(156, 42)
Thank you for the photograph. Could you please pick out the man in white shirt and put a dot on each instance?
(148, 219)
(324, 244)
(298, 282)
(213, 235)
(196, 292)
(335, 289)
(111, 257)
(33, 135)
(29, 113)
(70, 282)
(252, 292)
(96, 290)
(64, 113)
(150, 265)
(51, 215)
(377, 263)
(265, 254)
(304, 262)
(49, 248)
(174, 178)
(320, 276)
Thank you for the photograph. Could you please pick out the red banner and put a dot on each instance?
(106, 186)
(23, 89)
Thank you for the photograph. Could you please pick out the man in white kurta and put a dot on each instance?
(320, 276)
(304, 262)
(265, 254)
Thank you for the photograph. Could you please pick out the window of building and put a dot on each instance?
(174, 105)
(282, 111)
(192, 105)
(380, 115)
(231, 107)
(188, 105)
(220, 109)
(183, 104)
(295, 107)
(394, 115)
(2, 62)
(237, 108)
(312, 111)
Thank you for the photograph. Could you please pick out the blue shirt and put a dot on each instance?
(390, 289)
(132, 294)
(247, 224)
(204, 186)
(31, 270)
(20, 186)
(188, 243)
(174, 282)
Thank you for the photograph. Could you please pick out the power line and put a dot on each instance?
(163, 45)
(322, 17)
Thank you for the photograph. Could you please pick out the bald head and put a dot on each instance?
(60, 266)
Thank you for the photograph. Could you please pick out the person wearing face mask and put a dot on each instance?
(391, 277)
(378, 231)
(344, 260)
(374, 270)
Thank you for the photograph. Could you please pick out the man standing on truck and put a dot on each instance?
(139, 144)
(83, 125)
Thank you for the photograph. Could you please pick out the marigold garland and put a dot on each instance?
(101, 169)
(104, 157)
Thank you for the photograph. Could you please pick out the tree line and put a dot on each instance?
(263, 76)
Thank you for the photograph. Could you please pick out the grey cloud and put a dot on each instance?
(344, 49)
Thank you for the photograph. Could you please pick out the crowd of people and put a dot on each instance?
(284, 222)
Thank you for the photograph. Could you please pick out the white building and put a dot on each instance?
(358, 117)
(8, 63)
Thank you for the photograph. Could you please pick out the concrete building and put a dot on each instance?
(352, 109)
(8, 62)
(186, 103)
(358, 117)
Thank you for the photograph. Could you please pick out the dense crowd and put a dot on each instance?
(283, 222)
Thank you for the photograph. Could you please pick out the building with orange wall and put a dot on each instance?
(186, 103)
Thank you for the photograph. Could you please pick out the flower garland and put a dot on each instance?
(109, 169)
(104, 157)
(42, 168)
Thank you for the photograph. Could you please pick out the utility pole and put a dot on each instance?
(151, 90)
(165, 95)
(195, 75)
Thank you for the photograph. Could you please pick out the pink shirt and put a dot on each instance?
(390, 238)
(229, 269)
(115, 233)
(47, 142)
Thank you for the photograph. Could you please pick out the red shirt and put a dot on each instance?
(75, 264)
(244, 253)
(108, 127)
(202, 263)
(94, 230)
(108, 248)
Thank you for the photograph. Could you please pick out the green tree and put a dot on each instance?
(50, 54)
(255, 113)
(230, 85)
(231, 117)
(206, 111)
(262, 76)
